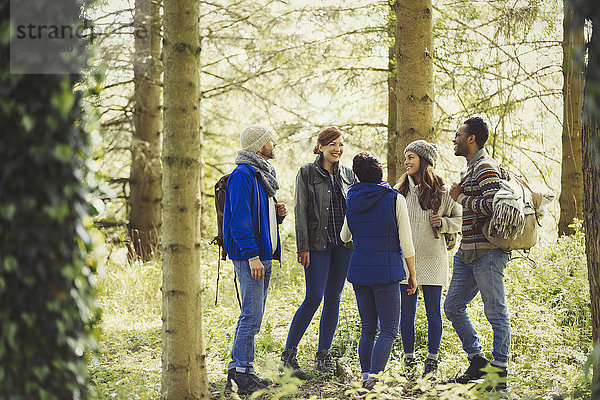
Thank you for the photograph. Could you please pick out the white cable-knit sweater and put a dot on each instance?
(431, 256)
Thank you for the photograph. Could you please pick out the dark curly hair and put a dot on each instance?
(477, 126)
(367, 168)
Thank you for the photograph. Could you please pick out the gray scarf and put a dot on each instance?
(266, 170)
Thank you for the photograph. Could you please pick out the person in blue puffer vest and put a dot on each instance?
(377, 221)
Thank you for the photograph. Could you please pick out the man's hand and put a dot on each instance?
(304, 258)
(281, 212)
(257, 269)
(435, 220)
(455, 191)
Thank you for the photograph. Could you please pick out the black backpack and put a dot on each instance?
(220, 191)
(220, 187)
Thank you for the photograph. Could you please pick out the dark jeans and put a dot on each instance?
(325, 277)
(433, 299)
(377, 304)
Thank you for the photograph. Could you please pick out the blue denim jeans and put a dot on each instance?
(377, 303)
(486, 276)
(325, 278)
(253, 294)
(433, 306)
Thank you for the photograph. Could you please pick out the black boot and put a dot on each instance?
(289, 360)
(324, 362)
(501, 384)
(430, 369)
(230, 377)
(474, 371)
(247, 383)
(410, 368)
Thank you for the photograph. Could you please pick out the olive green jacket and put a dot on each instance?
(312, 200)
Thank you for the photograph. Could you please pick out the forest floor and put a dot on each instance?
(550, 322)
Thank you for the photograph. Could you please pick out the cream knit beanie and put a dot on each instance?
(254, 137)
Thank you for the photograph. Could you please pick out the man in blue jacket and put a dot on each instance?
(251, 239)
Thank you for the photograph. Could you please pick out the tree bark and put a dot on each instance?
(392, 104)
(591, 183)
(571, 193)
(145, 174)
(414, 74)
(183, 359)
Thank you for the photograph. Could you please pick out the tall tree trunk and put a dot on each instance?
(414, 83)
(145, 175)
(183, 359)
(591, 183)
(392, 104)
(571, 184)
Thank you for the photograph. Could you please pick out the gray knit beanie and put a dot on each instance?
(424, 150)
(254, 137)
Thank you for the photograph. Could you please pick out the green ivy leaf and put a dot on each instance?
(8, 211)
(10, 264)
(63, 102)
(63, 152)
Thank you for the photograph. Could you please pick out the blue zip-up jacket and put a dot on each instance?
(371, 216)
(241, 237)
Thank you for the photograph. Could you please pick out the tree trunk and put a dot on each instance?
(392, 138)
(414, 83)
(145, 174)
(591, 184)
(571, 193)
(183, 359)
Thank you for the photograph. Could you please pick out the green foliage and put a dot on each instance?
(550, 319)
(46, 304)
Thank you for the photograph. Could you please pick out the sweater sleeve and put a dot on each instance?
(487, 178)
(404, 231)
(345, 234)
(452, 218)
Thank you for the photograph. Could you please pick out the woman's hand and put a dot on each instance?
(435, 220)
(304, 258)
(412, 285)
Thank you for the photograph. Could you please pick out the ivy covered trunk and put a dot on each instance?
(183, 357)
(145, 176)
(414, 72)
(46, 303)
(571, 184)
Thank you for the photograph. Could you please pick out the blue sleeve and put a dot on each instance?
(240, 193)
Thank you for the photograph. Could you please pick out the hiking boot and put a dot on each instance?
(410, 368)
(324, 362)
(369, 383)
(430, 369)
(474, 371)
(247, 383)
(232, 372)
(501, 384)
(289, 360)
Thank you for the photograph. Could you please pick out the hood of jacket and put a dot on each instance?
(362, 197)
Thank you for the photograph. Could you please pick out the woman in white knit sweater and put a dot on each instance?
(432, 213)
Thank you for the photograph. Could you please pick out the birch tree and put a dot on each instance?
(183, 359)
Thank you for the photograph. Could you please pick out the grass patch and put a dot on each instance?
(550, 320)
